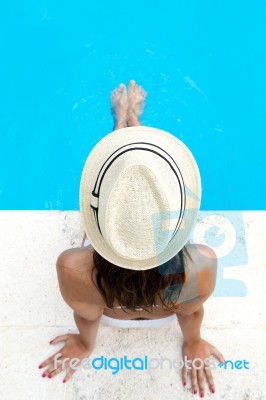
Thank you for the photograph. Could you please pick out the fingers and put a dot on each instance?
(194, 381)
(69, 374)
(58, 366)
(51, 371)
(198, 380)
(184, 376)
(201, 381)
(55, 369)
(210, 380)
(59, 339)
(55, 372)
(217, 354)
(54, 358)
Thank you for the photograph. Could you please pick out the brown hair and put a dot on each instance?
(137, 289)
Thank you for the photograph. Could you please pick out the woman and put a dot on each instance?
(139, 196)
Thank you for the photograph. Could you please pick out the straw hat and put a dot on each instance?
(140, 192)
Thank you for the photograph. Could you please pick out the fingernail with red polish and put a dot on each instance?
(64, 381)
(43, 375)
(213, 391)
(195, 391)
(51, 341)
(49, 376)
(202, 395)
(184, 383)
(40, 366)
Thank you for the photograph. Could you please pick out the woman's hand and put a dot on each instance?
(199, 349)
(73, 348)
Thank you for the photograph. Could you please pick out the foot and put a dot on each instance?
(136, 100)
(119, 105)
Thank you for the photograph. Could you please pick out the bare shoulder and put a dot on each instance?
(75, 259)
(204, 260)
(200, 253)
(74, 269)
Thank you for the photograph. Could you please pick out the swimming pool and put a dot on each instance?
(202, 64)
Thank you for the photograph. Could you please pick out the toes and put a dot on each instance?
(123, 88)
(115, 93)
(132, 85)
(144, 94)
(120, 89)
(135, 88)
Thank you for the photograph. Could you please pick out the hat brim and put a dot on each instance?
(191, 176)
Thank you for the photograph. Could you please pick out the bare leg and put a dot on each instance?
(119, 106)
(136, 100)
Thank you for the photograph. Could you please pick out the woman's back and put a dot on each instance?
(80, 263)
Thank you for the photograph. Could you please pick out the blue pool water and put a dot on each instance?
(201, 62)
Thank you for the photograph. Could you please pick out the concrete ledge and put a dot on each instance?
(33, 312)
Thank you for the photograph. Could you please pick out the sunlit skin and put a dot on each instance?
(127, 105)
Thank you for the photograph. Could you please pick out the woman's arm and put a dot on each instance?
(190, 325)
(190, 318)
(87, 316)
(197, 353)
(87, 329)
(75, 292)
(205, 263)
